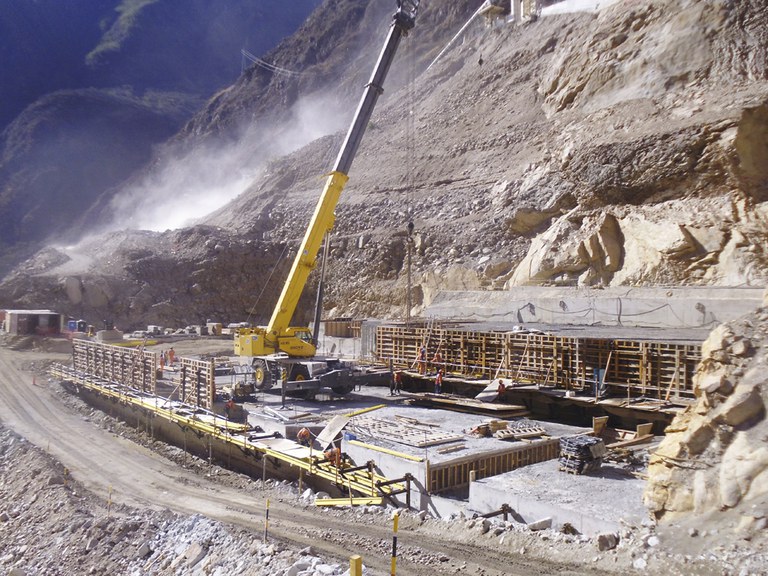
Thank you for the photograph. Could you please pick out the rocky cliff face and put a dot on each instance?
(617, 148)
(713, 460)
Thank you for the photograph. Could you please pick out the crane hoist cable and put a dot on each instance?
(267, 65)
(267, 283)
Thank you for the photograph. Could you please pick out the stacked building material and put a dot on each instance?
(581, 454)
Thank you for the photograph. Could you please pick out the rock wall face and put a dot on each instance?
(620, 148)
(714, 457)
(663, 160)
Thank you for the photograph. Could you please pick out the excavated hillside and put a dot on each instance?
(618, 148)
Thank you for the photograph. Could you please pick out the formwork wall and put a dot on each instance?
(456, 473)
(136, 368)
(630, 368)
(196, 382)
(133, 367)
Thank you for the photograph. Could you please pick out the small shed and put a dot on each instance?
(32, 322)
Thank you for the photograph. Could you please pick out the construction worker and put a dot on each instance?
(422, 359)
(437, 360)
(228, 407)
(398, 381)
(304, 437)
(439, 382)
(501, 389)
(171, 356)
(333, 456)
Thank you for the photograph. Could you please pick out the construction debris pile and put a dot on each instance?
(581, 454)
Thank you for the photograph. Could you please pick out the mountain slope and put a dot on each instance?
(618, 149)
(88, 93)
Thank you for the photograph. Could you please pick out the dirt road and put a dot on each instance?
(140, 477)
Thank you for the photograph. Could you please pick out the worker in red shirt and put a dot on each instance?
(439, 382)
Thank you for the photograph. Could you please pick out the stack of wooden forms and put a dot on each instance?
(629, 368)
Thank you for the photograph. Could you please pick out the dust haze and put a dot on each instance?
(183, 190)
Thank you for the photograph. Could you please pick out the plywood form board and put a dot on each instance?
(331, 430)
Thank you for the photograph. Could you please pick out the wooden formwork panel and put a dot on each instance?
(132, 367)
(456, 474)
(632, 368)
(195, 382)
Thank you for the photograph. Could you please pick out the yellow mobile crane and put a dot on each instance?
(278, 346)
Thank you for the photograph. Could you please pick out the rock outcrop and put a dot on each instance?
(714, 456)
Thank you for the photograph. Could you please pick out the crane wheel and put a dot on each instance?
(262, 377)
(299, 372)
(343, 389)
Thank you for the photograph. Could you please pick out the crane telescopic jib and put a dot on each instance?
(278, 335)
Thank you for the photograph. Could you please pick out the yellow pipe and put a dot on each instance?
(349, 501)
(364, 410)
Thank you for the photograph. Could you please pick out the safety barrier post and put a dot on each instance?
(393, 570)
(266, 521)
(355, 565)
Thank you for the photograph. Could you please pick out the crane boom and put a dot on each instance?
(278, 336)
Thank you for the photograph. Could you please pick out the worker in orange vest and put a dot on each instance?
(422, 360)
(437, 360)
(304, 437)
(333, 456)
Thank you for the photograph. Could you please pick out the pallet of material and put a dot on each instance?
(520, 433)
(581, 454)
(459, 404)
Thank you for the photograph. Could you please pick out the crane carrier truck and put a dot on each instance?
(287, 353)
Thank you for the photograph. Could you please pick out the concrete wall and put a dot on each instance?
(394, 467)
(225, 454)
(649, 307)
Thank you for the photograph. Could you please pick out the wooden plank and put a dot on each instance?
(331, 430)
(631, 442)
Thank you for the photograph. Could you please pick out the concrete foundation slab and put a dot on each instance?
(595, 503)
